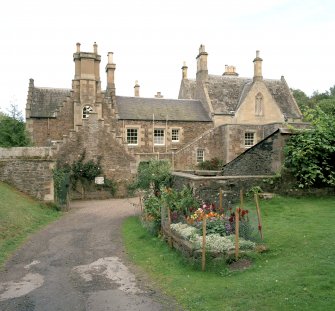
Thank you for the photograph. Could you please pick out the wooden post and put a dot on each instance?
(141, 207)
(203, 257)
(169, 227)
(237, 232)
(259, 216)
(220, 200)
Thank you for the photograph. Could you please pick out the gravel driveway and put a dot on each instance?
(78, 263)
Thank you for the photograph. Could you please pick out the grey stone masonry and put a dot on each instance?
(29, 169)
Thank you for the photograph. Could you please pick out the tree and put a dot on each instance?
(310, 154)
(155, 174)
(12, 129)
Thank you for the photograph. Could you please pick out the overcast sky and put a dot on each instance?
(151, 39)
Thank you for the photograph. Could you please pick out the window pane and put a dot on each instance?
(132, 136)
(175, 134)
(200, 155)
(159, 137)
(249, 139)
(86, 111)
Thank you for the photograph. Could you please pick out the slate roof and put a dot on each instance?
(228, 92)
(45, 101)
(139, 108)
(282, 94)
(225, 92)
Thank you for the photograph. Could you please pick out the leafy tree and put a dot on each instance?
(310, 154)
(12, 129)
(302, 100)
(154, 173)
(325, 100)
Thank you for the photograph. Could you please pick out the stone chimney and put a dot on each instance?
(230, 71)
(86, 85)
(184, 71)
(202, 71)
(159, 95)
(258, 68)
(136, 89)
(110, 70)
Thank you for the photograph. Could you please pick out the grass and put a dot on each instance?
(297, 273)
(19, 217)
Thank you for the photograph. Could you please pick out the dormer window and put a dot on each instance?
(86, 111)
(259, 109)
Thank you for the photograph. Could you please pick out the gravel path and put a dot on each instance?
(78, 263)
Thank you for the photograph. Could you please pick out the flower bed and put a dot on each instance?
(187, 239)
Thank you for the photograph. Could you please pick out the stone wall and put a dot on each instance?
(29, 169)
(225, 142)
(44, 130)
(98, 142)
(265, 158)
(207, 188)
(188, 131)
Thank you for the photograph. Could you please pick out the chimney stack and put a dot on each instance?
(159, 95)
(95, 48)
(110, 70)
(78, 47)
(184, 71)
(230, 71)
(258, 68)
(202, 71)
(136, 89)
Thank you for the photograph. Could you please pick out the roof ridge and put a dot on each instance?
(51, 88)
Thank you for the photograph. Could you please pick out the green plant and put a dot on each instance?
(254, 190)
(153, 174)
(216, 226)
(182, 201)
(81, 170)
(110, 185)
(310, 154)
(212, 164)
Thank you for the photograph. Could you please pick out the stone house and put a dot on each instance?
(215, 116)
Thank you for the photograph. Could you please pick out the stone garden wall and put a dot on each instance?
(29, 169)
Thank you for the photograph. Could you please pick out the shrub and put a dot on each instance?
(214, 164)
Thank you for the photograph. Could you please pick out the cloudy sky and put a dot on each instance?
(151, 39)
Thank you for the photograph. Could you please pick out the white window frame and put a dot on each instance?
(175, 135)
(129, 136)
(200, 155)
(86, 111)
(159, 140)
(249, 139)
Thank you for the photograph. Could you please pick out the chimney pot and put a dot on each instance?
(110, 57)
(95, 48)
(137, 89)
(258, 67)
(184, 70)
(78, 47)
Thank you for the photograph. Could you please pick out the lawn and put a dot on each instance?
(20, 216)
(296, 273)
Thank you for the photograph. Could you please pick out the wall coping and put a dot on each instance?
(197, 177)
(27, 152)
